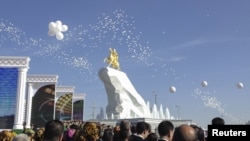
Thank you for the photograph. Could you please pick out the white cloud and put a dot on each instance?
(198, 42)
(190, 43)
(171, 59)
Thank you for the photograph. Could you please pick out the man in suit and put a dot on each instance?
(165, 130)
(54, 130)
(142, 131)
(185, 132)
(218, 121)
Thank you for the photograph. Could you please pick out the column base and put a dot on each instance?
(18, 126)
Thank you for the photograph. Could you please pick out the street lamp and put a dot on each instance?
(178, 110)
(155, 94)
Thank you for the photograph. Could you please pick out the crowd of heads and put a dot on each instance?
(56, 130)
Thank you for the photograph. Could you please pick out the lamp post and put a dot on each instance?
(155, 94)
(94, 107)
(178, 111)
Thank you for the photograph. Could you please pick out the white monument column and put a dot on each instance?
(20, 98)
(29, 105)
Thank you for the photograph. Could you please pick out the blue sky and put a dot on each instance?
(160, 44)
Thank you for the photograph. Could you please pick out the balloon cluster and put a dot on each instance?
(56, 29)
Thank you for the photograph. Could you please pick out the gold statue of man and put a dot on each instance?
(113, 59)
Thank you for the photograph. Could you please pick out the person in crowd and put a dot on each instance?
(7, 135)
(142, 130)
(21, 137)
(107, 135)
(165, 130)
(116, 131)
(185, 132)
(200, 132)
(91, 131)
(31, 133)
(39, 134)
(133, 132)
(151, 137)
(54, 130)
(218, 121)
(124, 130)
(70, 133)
(101, 128)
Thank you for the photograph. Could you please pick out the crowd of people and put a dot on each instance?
(56, 130)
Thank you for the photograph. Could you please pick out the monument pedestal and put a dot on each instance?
(123, 100)
(125, 103)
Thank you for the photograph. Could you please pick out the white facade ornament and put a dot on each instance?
(42, 78)
(22, 63)
(35, 82)
(9, 61)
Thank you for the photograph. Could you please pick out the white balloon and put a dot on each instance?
(64, 28)
(172, 89)
(204, 83)
(58, 29)
(240, 85)
(52, 25)
(51, 33)
(58, 23)
(59, 36)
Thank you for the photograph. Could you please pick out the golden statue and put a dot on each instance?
(113, 59)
